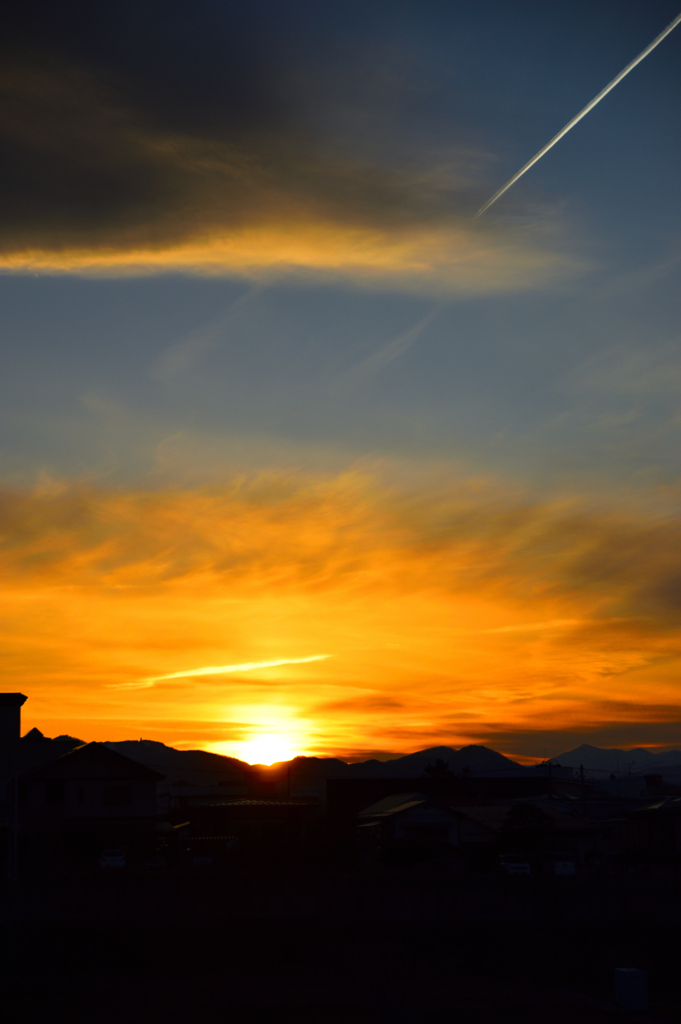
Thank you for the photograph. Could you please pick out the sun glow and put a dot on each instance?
(478, 636)
(264, 748)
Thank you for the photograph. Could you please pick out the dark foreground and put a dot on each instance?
(336, 949)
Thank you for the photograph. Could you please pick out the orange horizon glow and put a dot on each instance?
(456, 614)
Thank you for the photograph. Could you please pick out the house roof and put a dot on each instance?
(562, 811)
(668, 805)
(491, 817)
(35, 736)
(393, 804)
(495, 817)
(94, 761)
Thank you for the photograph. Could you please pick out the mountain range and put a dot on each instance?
(199, 767)
(630, 762)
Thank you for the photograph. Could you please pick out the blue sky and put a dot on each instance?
(407, 86)
(240, 241)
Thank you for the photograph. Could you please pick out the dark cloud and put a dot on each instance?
(157, 120)
(130, 131)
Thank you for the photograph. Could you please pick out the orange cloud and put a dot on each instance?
(454, 613)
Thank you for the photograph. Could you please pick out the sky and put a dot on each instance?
(277, 405)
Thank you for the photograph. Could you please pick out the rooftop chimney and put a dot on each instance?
(10, 718)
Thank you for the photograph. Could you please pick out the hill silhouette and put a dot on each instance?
(198, 767)
(202, 767)
(474, 759)
(632, 762)
(194, 767)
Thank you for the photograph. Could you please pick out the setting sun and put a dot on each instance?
(265, 748)
(260, 749)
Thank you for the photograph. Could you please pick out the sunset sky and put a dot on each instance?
(299, 456)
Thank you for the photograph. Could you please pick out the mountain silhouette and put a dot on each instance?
(634, 762)
(193, 767)
(474, 759)
(200, 767)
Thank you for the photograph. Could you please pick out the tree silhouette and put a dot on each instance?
(439, 769)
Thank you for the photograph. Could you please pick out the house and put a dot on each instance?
(10, 732)
(34, 749)
(83, 801)
(410, 816)
(654, 831)
(346, 797)
(260, 829)
(409, 822)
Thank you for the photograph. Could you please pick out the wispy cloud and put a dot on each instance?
(532, 627)
(635, 371)
(448, 607)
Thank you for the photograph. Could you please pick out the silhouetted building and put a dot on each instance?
(405, 823)
(260, 828)
(655, 830)
(347, 797)
(10, 717)
(10, 732)
(84, 801)
(35, 749)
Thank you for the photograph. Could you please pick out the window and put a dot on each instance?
(117, 796)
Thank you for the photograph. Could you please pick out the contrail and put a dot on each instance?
(604, 92)
(246, 666)
(180, 356)
(395, 348)
(218, 670)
